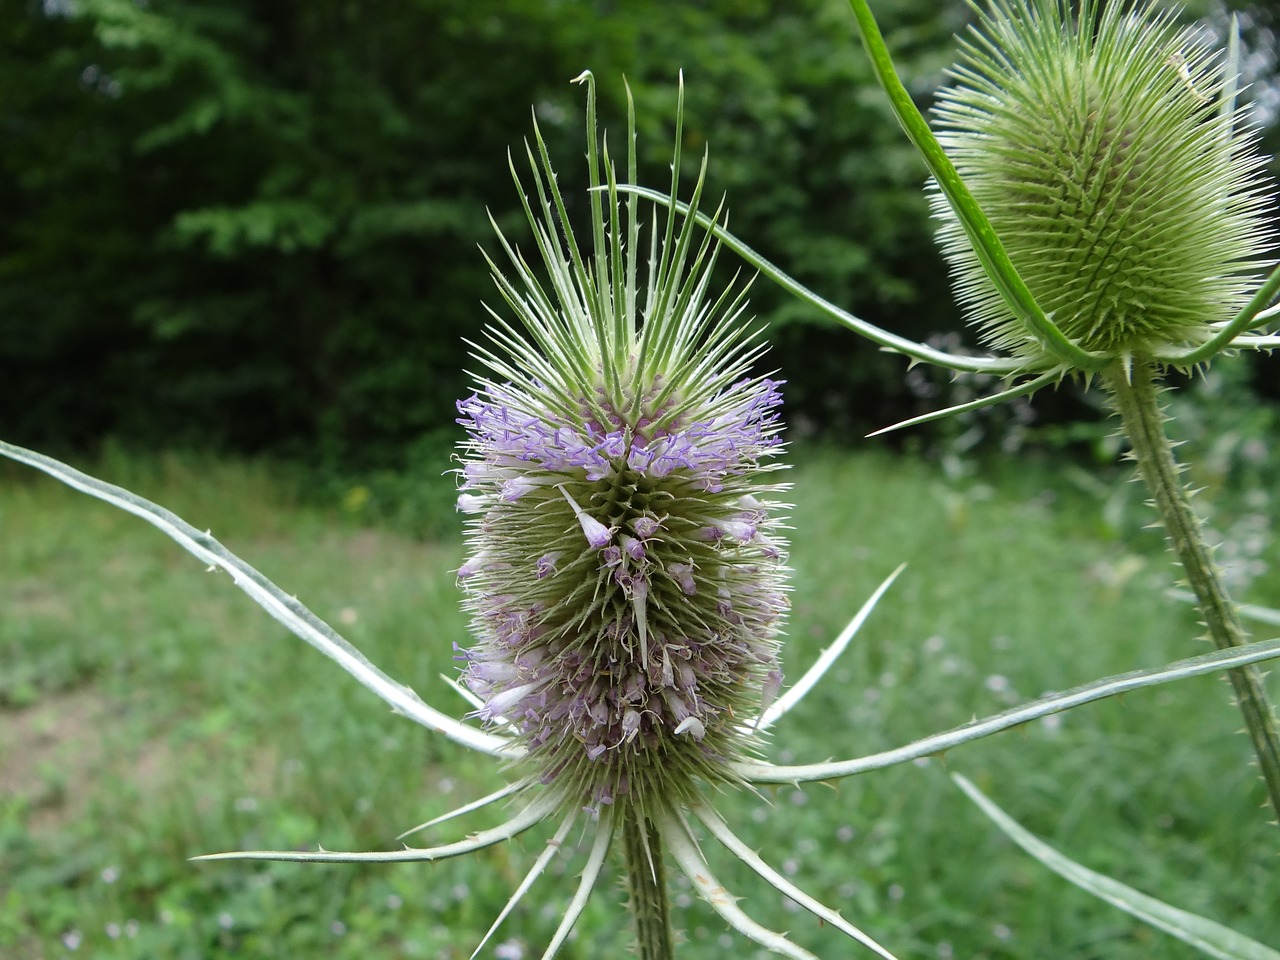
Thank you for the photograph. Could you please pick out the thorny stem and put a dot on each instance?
(647, 886)
(1135, 396)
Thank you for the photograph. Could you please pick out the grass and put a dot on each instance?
(150, 712)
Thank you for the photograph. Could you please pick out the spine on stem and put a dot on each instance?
(647, 887)
(1135, 396)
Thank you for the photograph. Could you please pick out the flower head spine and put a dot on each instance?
(626, 576)
(1132, 205)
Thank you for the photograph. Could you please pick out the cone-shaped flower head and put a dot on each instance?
(625, 573)
(1105, 150)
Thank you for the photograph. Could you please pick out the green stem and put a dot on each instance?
(1135, 395)
(647, 886)
(987, 245)
(1244, 320)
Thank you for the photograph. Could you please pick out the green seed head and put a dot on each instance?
(1105, 152)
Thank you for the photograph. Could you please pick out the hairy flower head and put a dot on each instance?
(1104, 150)
(625, 574)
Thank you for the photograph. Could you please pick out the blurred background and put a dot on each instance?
(240, 256)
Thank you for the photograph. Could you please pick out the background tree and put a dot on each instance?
(256, 223)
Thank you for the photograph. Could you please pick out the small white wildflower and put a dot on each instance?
(996, 683)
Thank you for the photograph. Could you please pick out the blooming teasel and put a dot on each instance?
(626, 577)
(626, 574)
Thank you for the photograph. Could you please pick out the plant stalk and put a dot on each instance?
(1135, 396)
(646, 884)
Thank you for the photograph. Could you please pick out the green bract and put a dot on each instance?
(1105, 152)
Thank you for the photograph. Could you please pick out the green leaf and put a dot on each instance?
(1209, 937)
(281, 606)
(887, 340)
(938, 743)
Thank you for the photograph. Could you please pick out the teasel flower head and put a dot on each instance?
(1108, 153)
(626, 574)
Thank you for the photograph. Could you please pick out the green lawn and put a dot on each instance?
(149, 712)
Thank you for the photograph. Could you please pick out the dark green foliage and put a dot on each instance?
(256, 223)
(258, 226)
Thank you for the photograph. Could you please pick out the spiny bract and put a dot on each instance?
(1104, 150)
(625, 573)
